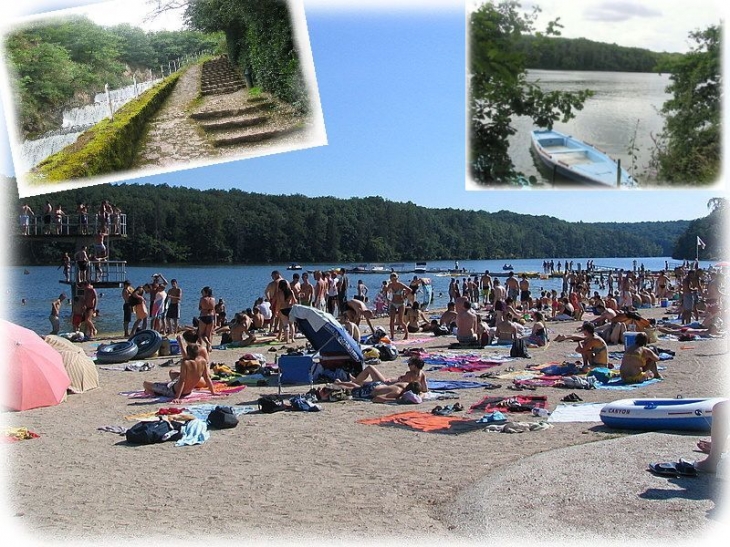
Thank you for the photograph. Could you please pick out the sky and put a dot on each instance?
(391, 78)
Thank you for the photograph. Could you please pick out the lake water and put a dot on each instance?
(239, 286)
(608, 119)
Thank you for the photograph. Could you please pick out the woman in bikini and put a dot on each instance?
(412, 315)
(206, 305)
(399, 293)
(285, 299)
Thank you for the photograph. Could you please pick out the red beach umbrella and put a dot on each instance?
(34, 372)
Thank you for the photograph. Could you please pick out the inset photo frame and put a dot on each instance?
(117, 90)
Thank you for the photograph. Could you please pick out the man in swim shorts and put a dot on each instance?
(466, 322)
(193, 368)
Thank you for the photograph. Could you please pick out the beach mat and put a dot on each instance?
(579, 412)
(618, 383)
(492, 403)
(453, 384)
(222, 390)
(426, 422)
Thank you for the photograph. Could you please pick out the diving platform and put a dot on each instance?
(71, 227)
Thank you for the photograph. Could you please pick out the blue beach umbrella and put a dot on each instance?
(325, 334)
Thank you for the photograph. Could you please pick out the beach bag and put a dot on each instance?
(150, 432)
(518, 348)
(222, 417)
(388, 352)
(268, 404)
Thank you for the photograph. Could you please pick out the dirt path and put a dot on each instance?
(173, 138)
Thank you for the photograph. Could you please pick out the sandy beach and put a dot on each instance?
(324, 477)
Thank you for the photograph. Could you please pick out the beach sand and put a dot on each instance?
(323, 477)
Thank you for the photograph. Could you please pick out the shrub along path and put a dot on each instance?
(190, 127)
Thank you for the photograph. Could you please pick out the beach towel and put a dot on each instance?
(15, 434)
(618, 383)
(411, 341)
(426, 422)
(577, 412)
(492, 403)
(132, 366)
(439, 395)
(538, 381)
(475, 366)
(221, 390)
(453, 384)
(517, 427)
(194, 432)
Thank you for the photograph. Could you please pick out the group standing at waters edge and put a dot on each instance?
(481, 311)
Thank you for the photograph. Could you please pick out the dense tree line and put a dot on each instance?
(61, 63)
(689, 147)
(554, 53)
(172, 224)
(711, 230)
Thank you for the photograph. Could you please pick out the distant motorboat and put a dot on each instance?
(578, 160)
(420, 267)
(294, 267)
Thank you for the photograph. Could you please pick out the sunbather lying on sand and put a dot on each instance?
(414, 374)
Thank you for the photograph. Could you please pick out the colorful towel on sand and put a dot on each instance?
(453, 384)
(470, 362)
(426, 422)
(539, 381)
(131, 366)
(221, 390)
(439, 395)
(618, 383)
(491, 404)
(15, 434)
(578, 412)
(411, 341)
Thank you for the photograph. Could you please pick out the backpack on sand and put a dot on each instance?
(222, 417)
(150, 432)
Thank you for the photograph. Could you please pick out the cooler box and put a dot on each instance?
(295, 369)
(629, 339)
(664, 303)
(174, 347)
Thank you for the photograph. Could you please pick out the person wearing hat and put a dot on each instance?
(55, 317)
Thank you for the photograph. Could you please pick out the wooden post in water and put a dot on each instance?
(618, 173)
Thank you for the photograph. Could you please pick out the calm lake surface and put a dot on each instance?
(239, 286)
(608, 119)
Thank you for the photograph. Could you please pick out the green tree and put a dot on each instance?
(688, 149)
(499, 90)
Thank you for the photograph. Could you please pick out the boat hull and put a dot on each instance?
(660, 414)
(577, 160)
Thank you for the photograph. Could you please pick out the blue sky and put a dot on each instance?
(392, 87)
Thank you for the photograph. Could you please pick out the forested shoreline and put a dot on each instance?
(183, 225)
(557, 53)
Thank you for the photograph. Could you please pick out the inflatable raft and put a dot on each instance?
(656, 414)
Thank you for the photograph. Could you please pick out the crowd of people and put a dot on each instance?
(54, 220)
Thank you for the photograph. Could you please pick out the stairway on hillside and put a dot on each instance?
(228, 115)
(219, 76)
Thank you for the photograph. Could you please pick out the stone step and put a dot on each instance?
(219, 83)
(222, 89)
(234, 123)
(230, 112)
(249, 137)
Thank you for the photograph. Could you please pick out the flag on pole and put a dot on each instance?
(700, 243)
